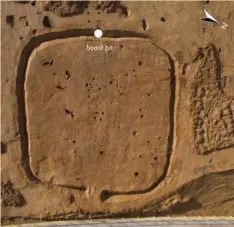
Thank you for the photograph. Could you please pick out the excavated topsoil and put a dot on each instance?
(139, 122)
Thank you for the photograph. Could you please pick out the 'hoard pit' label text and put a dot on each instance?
(99, 48)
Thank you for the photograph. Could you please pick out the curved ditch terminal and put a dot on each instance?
(20, 92)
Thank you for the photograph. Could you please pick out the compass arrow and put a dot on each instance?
(209, 17)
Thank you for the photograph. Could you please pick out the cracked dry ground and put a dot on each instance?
(143, 129)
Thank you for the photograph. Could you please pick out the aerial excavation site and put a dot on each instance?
(116, 109)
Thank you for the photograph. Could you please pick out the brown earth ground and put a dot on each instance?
(142, 126)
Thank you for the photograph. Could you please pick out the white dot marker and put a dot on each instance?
(98, 33)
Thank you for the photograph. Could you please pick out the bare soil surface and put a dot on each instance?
(139, 122)
(124, 110)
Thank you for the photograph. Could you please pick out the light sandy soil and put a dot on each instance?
(142, 126)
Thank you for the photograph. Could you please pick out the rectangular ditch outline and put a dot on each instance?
(20, 93)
